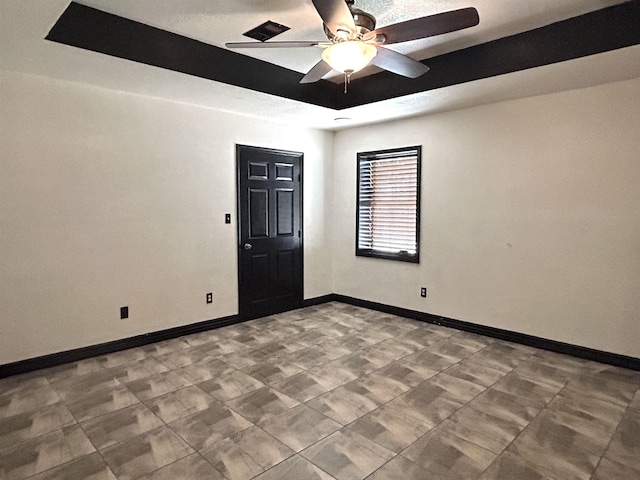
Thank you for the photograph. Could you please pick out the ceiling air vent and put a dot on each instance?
(266, 31)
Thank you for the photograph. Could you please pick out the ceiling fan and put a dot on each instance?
(354, 42)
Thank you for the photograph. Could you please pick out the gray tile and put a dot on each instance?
(295, 468)
(99, 403)
(617, 374)
(542, 373)
(157, 385)
(88, 467)
(472, 340)
(455, 349)
(625, 444)
(123, 357)
(373, 357)
(493, 357)
(332, 374)
(509, 467)
(166, 346)
(230, 385)
(571, 365)
(358, 363)
(81, 386)
(427, 403)
(180, 404)
(425, 336)
(314, 337)
(109, 429)
(485, 430)
(44, 452)
(261, 404)
(475, 372)
(397, 379)
(272, 372)
(20, 383)
(520, 386)
(508, 407)
(587, 408)
(431, 360)
(311, 357)
(26, 400)
(557, 458)
(337, 347)
(395, 348)
(206, 369)
(609, 470)
(390, 427)
(203, 338)
(635, 403)
(72, 370)
(246, 454)
(581, 433)
(303, 386)
(185, 356)
(280, 349)
(399, 468)
(455, 388)
(193, 467)
(449, 456)
(603, 388)
(145, 453)
(347, 455)
(131, 372)
(300, 427)
(31, 424)
(378, 387)
(407, 373)
(344, 404)
(209, 426)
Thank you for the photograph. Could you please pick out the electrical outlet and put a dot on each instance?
(209, 297)
(423, 292)
(124, 313)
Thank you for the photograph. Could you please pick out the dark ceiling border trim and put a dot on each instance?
(98, 31)
(600, 31)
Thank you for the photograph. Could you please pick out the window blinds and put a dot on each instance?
(388, 203)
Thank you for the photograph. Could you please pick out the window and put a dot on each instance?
(388, 215)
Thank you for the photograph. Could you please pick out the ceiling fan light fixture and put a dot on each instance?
(351, 56)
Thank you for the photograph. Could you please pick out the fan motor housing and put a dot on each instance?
(365, 22)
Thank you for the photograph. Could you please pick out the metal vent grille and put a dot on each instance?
(266, 31)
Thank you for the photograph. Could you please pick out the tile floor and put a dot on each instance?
(327, 392)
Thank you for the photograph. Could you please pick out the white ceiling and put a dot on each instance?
(25, 23)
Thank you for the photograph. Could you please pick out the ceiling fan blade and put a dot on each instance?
(303, 43)
(429, 26)
(318, 71)
(398, 63)
(336, 15)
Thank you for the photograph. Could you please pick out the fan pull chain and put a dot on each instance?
(347, 79)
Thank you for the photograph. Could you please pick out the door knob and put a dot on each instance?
(248, 246)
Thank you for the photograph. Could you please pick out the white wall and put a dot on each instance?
(110, 199)
(529, 214)
(530, 217)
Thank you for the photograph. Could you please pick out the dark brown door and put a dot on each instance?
(270, 231)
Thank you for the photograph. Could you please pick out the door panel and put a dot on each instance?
(285, 208)
(270, 231)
